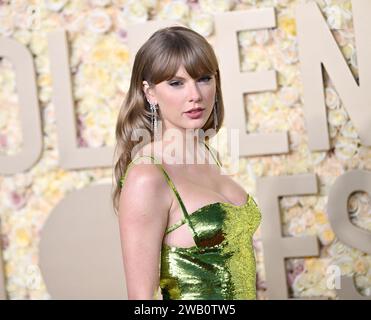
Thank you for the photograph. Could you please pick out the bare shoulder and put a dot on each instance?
(152, 148)
(145, 191)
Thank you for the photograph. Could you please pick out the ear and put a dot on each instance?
(148, 92)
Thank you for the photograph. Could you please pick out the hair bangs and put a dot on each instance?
(168, 61)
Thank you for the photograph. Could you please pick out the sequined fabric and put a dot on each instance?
(224, 269)
(222, 263)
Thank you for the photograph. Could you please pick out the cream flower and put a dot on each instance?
(349, 130)
(348, 51)
(7, 24)
(332, 98)
(94, 136)
(353, 59)
(317, 157)
(326, 236)
(262, 37)
(298, 285)
(288, 202)
(331, 167)
(290, 53)
(345, 263)
(23, 36)
(175, 10)
(320, 217)
(4, 116)
(99, 21)
(290, 213)
(339, 37)
(255, 55)
(288, 75)
(100, 3)
(34, 279)
(297, 226)
(212, 6)
(252, 2)
(45, 94)
(316, 264)
(287, 24)
(336, 16)
(22, 237)
(202, 23)
(55, 5)
(309, 201)
(361, 266)
(134, 11)
(333, 131)
(345, 149)
(149, 3)
(337, 117)
(288, 96)
(246, 38)
(39, 43)
(42, 67)
(258, 168)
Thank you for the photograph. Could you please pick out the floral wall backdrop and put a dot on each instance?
(100, 70)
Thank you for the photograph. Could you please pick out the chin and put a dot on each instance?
(199, 125)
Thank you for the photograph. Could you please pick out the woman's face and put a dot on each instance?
(180, 94)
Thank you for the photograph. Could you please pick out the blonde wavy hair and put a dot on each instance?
(158, 59)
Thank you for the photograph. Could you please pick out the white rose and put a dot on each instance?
(135, 12)
(349, 131)
(288, 96)
(99, 21)
(345, 150)
(337, 117)
(55, 5)
(94, 136)
(246, 38)
(202, 23)
(175, 10)
(334, 17)
(332, 98)
(100, 3)
(262, 37)
(212, 6)
(288, 202)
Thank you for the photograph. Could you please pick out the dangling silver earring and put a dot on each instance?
(154, 107)
(215, 113)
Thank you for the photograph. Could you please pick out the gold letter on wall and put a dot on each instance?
(345, 230)
(80, 249)
(235, 84)
(276, 248)
(70, 155)
(318, 47)
(29, 113)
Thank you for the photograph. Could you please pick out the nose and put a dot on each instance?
(194, 91)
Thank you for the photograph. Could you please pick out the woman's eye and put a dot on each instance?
(205, 79)
(175, 83)
(179, 83)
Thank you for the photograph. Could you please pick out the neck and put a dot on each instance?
(183, 146)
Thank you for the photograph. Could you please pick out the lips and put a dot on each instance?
(194, 110)
(195, 113)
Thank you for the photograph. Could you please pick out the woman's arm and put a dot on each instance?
(143, 214)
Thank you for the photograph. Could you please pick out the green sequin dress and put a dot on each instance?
(222, 263)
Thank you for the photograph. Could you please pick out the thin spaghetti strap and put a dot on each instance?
(212, 154)
(172, 186)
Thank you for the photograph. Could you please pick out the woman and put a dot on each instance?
(184, 227)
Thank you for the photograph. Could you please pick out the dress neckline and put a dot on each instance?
(197, 211)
